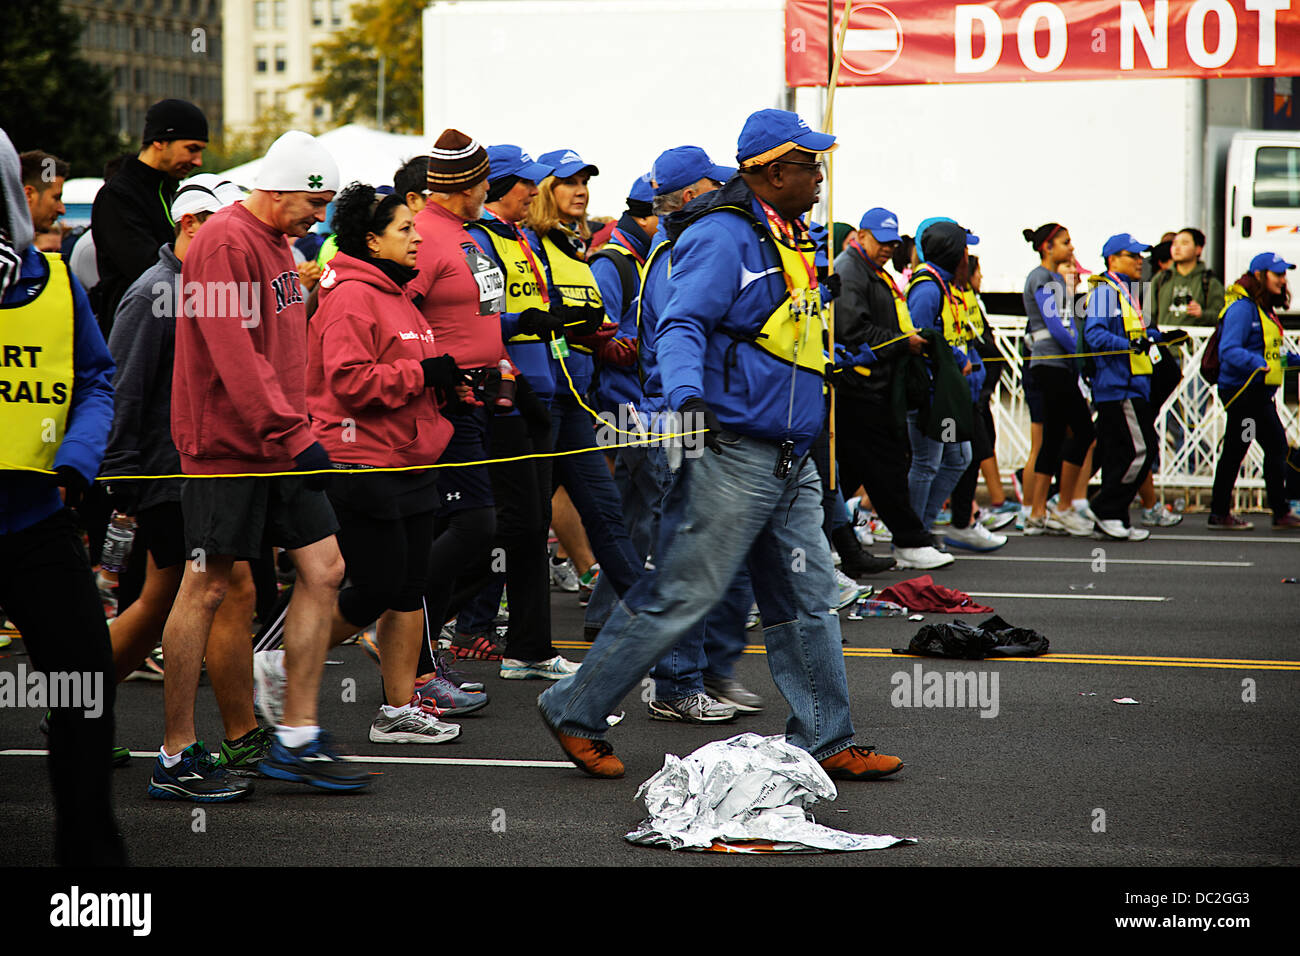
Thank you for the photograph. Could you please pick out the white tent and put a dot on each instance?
(364, 155)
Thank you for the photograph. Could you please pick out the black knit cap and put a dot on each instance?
(456, 162)
(174, 119)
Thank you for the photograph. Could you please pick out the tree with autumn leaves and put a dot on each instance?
(348, 79)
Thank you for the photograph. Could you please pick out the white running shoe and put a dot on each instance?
(847, 590)
(1160, 516)
(1138, 534)
(416, 723)
(1071, 521)
(997, 520)
(975, 537)
(563, 576)
(879, 530)
(556, 668)
(1114, 528)
(269, 682)
(925, 559)
(752, 619)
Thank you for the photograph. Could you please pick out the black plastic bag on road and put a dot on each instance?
(993, 637)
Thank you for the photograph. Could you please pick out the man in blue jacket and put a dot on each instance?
(741, 348)
(1121, 385)
(55, 413)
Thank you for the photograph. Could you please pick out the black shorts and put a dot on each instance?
(1034, 399)
(244, 517)
(161, 529)
(460, 489)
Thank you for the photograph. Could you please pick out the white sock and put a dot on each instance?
(293, 737)
(389, 711)
(1079, 503)
(167, 759)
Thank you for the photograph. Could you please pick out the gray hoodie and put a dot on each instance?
(16, 232)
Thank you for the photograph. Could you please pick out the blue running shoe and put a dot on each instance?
(450, 700)
(197, 777)
(315, 764)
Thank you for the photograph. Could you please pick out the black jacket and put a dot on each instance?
(865, 313)
(130, 220)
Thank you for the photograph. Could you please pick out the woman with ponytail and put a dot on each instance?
(1056, 405)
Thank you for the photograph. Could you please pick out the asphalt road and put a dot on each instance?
(1193, 775)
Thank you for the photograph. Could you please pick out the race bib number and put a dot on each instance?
(491, 281)
(1154, 354)
(559, 348)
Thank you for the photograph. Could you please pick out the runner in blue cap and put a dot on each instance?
(1252, 364)
(740, 347)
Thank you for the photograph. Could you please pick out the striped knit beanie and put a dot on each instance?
(456, 162)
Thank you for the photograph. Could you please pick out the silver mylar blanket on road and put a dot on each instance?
(747, 787)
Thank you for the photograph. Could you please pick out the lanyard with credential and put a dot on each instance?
(956, 303)
(781, 230)
(1125, 293)
(532, 264)
(618, 236)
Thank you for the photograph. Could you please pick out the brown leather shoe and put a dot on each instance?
(595, 758)
(860, 763)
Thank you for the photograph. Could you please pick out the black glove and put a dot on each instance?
(693, 412)
(832, 284)
(531, 406)
(582, 319)
(72, 482)
(126, 496)
(539, 322)
(1141, 345)
(1173, 336)
(314, 458)
(442, 372)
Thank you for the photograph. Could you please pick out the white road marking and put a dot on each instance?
(1068, 597)
(1109, 560)
(358, 758)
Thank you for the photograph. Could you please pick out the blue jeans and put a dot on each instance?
(587, 480)
(642, 477)
(721, 510)
(936, 468)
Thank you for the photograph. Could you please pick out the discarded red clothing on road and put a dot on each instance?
(922, 594)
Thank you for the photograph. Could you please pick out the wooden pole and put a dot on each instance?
(828, 124)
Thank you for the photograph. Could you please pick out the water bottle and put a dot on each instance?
(874, 607)
(505, 399)
(117, 542)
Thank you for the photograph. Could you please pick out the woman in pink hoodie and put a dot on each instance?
(375, 379)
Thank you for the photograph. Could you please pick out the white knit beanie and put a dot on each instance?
(296, 162)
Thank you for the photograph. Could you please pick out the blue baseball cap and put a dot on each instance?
(642, 190)
(684, 166)
(1270, 261)
(769, 134)
(566, 163)
(971, 238)
(881, 223)
(507, 160)
(1123, 242)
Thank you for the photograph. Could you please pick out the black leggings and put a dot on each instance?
(1255, 405)
(387, 561)
(1064, 408)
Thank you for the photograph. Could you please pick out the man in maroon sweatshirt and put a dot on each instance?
(239, 408)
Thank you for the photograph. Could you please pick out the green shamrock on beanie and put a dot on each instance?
(315, 181)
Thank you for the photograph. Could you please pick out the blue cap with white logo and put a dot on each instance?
(1123, 242)
(881, 223)
(642, 190)
(1270, 261)
(768, 134)
(566, 163)
(507, 160)
(684, 166)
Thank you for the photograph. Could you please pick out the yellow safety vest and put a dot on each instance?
(571, 280)
(974, 317)
(1272, 348)
(795, 332)
(37, 346)
(956, 330)
(1139, 363)
(523, 285)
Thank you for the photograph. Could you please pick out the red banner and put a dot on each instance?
(937, 41)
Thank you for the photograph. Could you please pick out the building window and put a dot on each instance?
(281, 57)
(279, 13)
(259, 14)
(317, 59)
(336, 13)
(259, 58)
(279, 99)
(318, 13)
